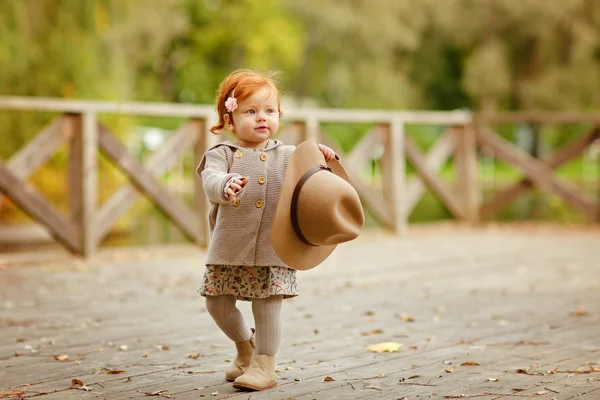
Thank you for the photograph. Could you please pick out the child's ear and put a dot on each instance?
(228, 122)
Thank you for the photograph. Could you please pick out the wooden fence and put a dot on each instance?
(88, 222)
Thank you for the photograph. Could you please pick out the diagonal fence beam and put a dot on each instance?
(39, 149)
(434, 160)
(503, 197)
(417, 159)
(126, 196)
(537, 171)
(370, 199)
(146, 182)
(32, 203)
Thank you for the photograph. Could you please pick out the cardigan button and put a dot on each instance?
(259, 203)
(263, 157)
(239, 154)
(262, 180)
(236, 203)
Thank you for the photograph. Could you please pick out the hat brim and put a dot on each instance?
(292, 251)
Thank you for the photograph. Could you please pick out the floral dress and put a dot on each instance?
(247, 283)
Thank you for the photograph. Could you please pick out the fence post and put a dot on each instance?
(83, 177)
(467, 172)
(310, 130)
(394, 175)
(200, 201)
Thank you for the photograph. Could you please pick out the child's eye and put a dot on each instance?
(250, 111)
(270, 111)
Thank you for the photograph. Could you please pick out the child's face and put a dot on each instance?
(256, 119)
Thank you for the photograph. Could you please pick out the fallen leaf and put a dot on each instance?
(194, 356)
(541, 392)
(113, 371)
(414, 376)
(450, 370)
(215, 393)
(10, 394)
(372, 387)
(385, 347)
(123, 347)
(455, 396)
(63, 357)
(288, 368)
(407, 318)
(519, 390)
(78, 384)
(493, 379)
(328, 379)
(469, 363)
(373, 332)
(579, 313)
(525, 371)
(369, 313)
(162, 393)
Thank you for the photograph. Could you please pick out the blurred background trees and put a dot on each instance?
(481, 55)
(430, 54)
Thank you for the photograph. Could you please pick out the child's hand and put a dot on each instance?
(235, 187)
(327, 152)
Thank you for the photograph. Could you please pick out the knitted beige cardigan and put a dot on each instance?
(241, 231)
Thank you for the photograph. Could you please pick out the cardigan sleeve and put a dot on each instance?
(213, 171)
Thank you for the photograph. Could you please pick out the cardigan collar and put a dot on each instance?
(271, 144)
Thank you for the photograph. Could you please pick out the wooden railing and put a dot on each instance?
(88, 222)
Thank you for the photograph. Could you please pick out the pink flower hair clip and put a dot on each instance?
(231, 103)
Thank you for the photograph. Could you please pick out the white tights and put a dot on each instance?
(266, 318)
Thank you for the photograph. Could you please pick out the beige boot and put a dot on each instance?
(259, 376)
(245, 350)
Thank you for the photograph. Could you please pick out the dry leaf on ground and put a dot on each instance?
(407, 318)
(372, 332)
(579, 313)
(10, 394)
(527, 372)
(385, 347)
(450, 370)
(162, 393)
(113, 371)
(78, 384)
(470, 363)
(62, 357)
(328, 379)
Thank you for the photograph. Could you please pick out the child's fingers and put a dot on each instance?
(231, 194)
(235, 186)
(241, 181)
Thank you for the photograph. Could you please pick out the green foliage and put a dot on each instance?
(384, 54)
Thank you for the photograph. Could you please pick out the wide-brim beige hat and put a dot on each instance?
(318, 209)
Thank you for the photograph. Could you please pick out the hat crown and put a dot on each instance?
(329, 210)
(317, 209)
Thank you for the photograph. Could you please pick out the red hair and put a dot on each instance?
(245, 83)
